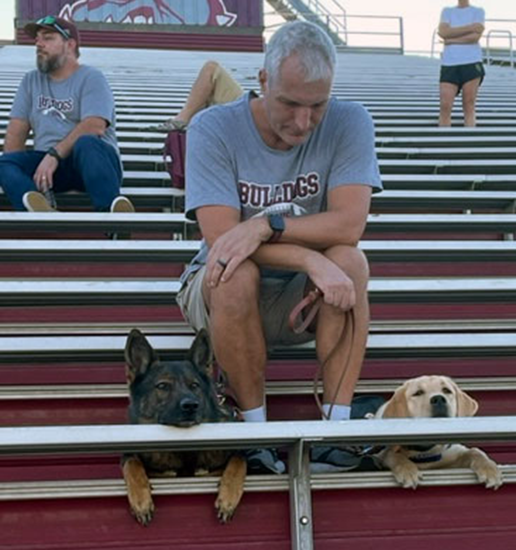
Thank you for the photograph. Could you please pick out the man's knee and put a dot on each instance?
(86, 144)
(210, 68)
(240, 293)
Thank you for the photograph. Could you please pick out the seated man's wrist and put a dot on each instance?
(53, 152)
(264, 229)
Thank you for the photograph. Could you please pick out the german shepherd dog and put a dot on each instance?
(181, 394)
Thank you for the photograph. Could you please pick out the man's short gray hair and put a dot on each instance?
(314, 47)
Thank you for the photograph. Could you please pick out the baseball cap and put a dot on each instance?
(65, 28)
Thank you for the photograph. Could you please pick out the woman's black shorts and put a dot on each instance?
(460, 74)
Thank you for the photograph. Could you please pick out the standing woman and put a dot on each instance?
(461, 67)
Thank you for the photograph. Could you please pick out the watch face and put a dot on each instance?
(277, 222)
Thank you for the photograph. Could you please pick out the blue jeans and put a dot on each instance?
(92, 166)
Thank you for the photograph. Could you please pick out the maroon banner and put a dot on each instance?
(213, 13)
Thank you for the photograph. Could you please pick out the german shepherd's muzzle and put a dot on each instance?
(182, 394)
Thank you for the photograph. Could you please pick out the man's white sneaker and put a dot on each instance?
(122, 205)
(35, 201)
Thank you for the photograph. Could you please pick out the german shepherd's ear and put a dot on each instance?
(200, 351)
(139, 355)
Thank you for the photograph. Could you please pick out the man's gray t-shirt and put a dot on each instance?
(53, 108)
(229, 164)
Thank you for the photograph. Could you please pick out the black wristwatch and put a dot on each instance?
(54, 153)
(277, 224)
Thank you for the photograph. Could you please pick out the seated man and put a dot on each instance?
(71, 111)
(281, 185)
(213, 86)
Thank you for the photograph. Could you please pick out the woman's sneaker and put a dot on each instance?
(34, 201)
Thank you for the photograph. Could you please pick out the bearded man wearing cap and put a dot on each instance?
(71, 111)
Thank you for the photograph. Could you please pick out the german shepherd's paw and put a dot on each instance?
(231, 488)
(138, 490)
(142, 506)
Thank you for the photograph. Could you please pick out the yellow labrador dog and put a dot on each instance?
(433, 397)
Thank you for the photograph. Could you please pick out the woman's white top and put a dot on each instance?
(462, 54)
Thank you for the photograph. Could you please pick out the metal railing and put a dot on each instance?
(298, 437)
(336, 21)
(498, 33)
(350, 36)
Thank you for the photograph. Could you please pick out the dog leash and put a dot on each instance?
(298, 323)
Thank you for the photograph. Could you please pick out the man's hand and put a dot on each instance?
(337, 288)
(233, 247)
(44, 174)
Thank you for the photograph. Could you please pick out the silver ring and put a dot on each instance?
(44, 177)
(222, 263)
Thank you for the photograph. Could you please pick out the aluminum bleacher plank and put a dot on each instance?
(388, 326)
(149, 291)
(147, 197)
(134, 438)
(109, 488)
(182, 251)
(58, 348)
(177, 223)
(285, 387)
(449, 181)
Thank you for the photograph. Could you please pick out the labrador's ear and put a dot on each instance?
(466, 405)
(397, 407)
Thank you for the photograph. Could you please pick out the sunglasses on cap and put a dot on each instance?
(50, 21)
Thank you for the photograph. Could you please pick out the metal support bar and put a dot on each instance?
(497, 33)
(301, 524)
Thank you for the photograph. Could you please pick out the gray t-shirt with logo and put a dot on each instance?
(229, 164)
(53, 108)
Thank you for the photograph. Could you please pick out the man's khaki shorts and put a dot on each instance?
(226, 89)
(278, 297)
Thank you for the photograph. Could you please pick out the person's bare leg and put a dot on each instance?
(237, 334)
(448, 92)
(201, 92)
(469, 101)
(330, 324)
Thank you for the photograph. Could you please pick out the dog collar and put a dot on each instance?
(424, 457)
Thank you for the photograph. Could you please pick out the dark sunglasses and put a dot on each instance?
(50, 21)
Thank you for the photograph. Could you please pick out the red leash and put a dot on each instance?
(313, 301)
